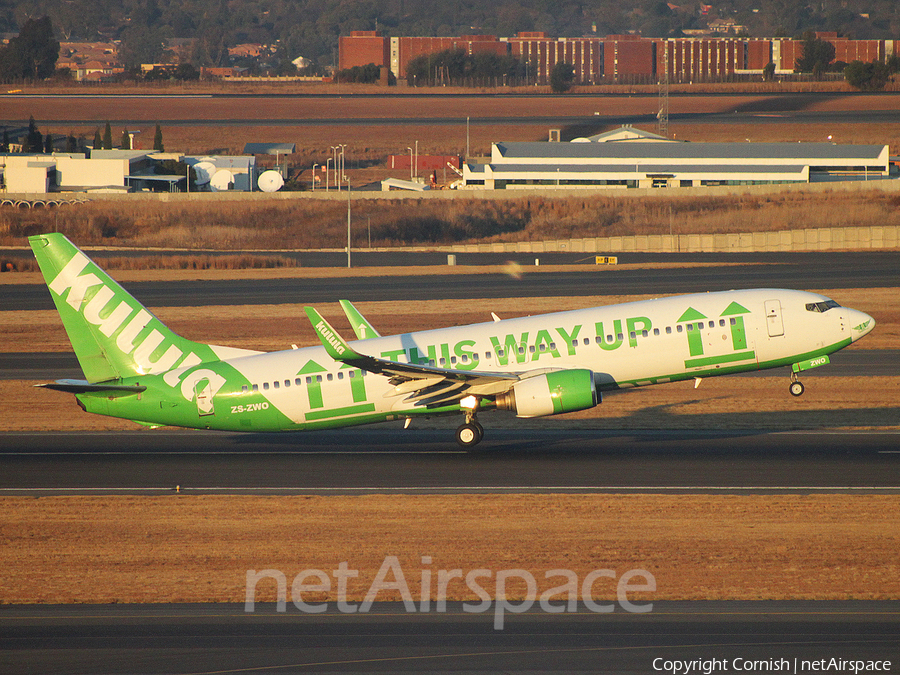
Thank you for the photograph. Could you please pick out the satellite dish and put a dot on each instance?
(270, 181)
(221, 180)
(204, 172)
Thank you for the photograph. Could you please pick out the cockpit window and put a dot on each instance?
(821, 306)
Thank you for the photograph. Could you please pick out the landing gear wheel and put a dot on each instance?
(469, 434)
(797, 388)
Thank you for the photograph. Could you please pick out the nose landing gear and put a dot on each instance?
(796, 386)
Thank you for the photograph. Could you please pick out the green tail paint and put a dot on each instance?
(112, 334)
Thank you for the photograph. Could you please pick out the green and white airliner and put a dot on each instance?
(136, 368)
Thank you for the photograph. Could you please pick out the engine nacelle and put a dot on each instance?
(552, 393)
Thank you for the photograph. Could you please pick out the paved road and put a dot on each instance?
(392, 460)
(799, 271)
(182, 639)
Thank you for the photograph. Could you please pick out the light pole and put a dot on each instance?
(315, 166)
(467, 138)
(333, 150)
(410, 163)
(327, 162)
(343, 175)
(417, 159)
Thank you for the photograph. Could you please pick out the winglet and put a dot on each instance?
(363, 329)
(334, 344)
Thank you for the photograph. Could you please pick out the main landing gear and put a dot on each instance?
(470, 433)
(796, 386)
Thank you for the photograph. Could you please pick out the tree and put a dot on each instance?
(817, 55)
(158, 140)
(98, 142)
(71, 143)
(126, 140)
(561, 77)
(867, 76)
(34, 139)
(769, 72)
(4, 145)
(32, 54)
(48, 143)
(107, 137)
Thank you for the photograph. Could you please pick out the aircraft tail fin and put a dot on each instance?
(112, 334)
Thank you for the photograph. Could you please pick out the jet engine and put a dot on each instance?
(551, 393)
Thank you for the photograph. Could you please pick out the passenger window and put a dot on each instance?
(330, 377)
(255, 387)
(244, 389)
(680, 328)
(632, 335)
(722, 323)
(619, 337)
(690, 328)
(318, 378)
(733, 321)
(275, 384)
(668, 330)
(265, 386)
(656, 331)
(644, 333)
(298, 382)
(340, 374)
(308, 379)
(452, 360)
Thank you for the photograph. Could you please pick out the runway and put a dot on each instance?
(873, 269)
(396, 461)
(195, 639)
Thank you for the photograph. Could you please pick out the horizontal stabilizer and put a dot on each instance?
(85, 387)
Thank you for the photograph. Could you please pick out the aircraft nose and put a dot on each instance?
(860, 324)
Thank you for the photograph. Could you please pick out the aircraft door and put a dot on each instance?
(204, 397)
(774, 323)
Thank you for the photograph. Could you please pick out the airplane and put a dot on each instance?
(138, 369)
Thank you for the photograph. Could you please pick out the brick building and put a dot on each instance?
(614, 58)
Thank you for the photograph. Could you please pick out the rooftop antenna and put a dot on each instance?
(662, 116)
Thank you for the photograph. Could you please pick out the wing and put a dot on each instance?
(363, 329)
(424, 385)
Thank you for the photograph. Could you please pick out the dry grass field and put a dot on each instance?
(237, 225)
(178, 548)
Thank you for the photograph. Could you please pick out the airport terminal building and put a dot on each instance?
(632, 159)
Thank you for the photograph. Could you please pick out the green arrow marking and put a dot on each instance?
(734, 308)
(314, 388)
(691, 314)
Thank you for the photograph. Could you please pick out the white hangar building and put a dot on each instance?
(629, 158)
